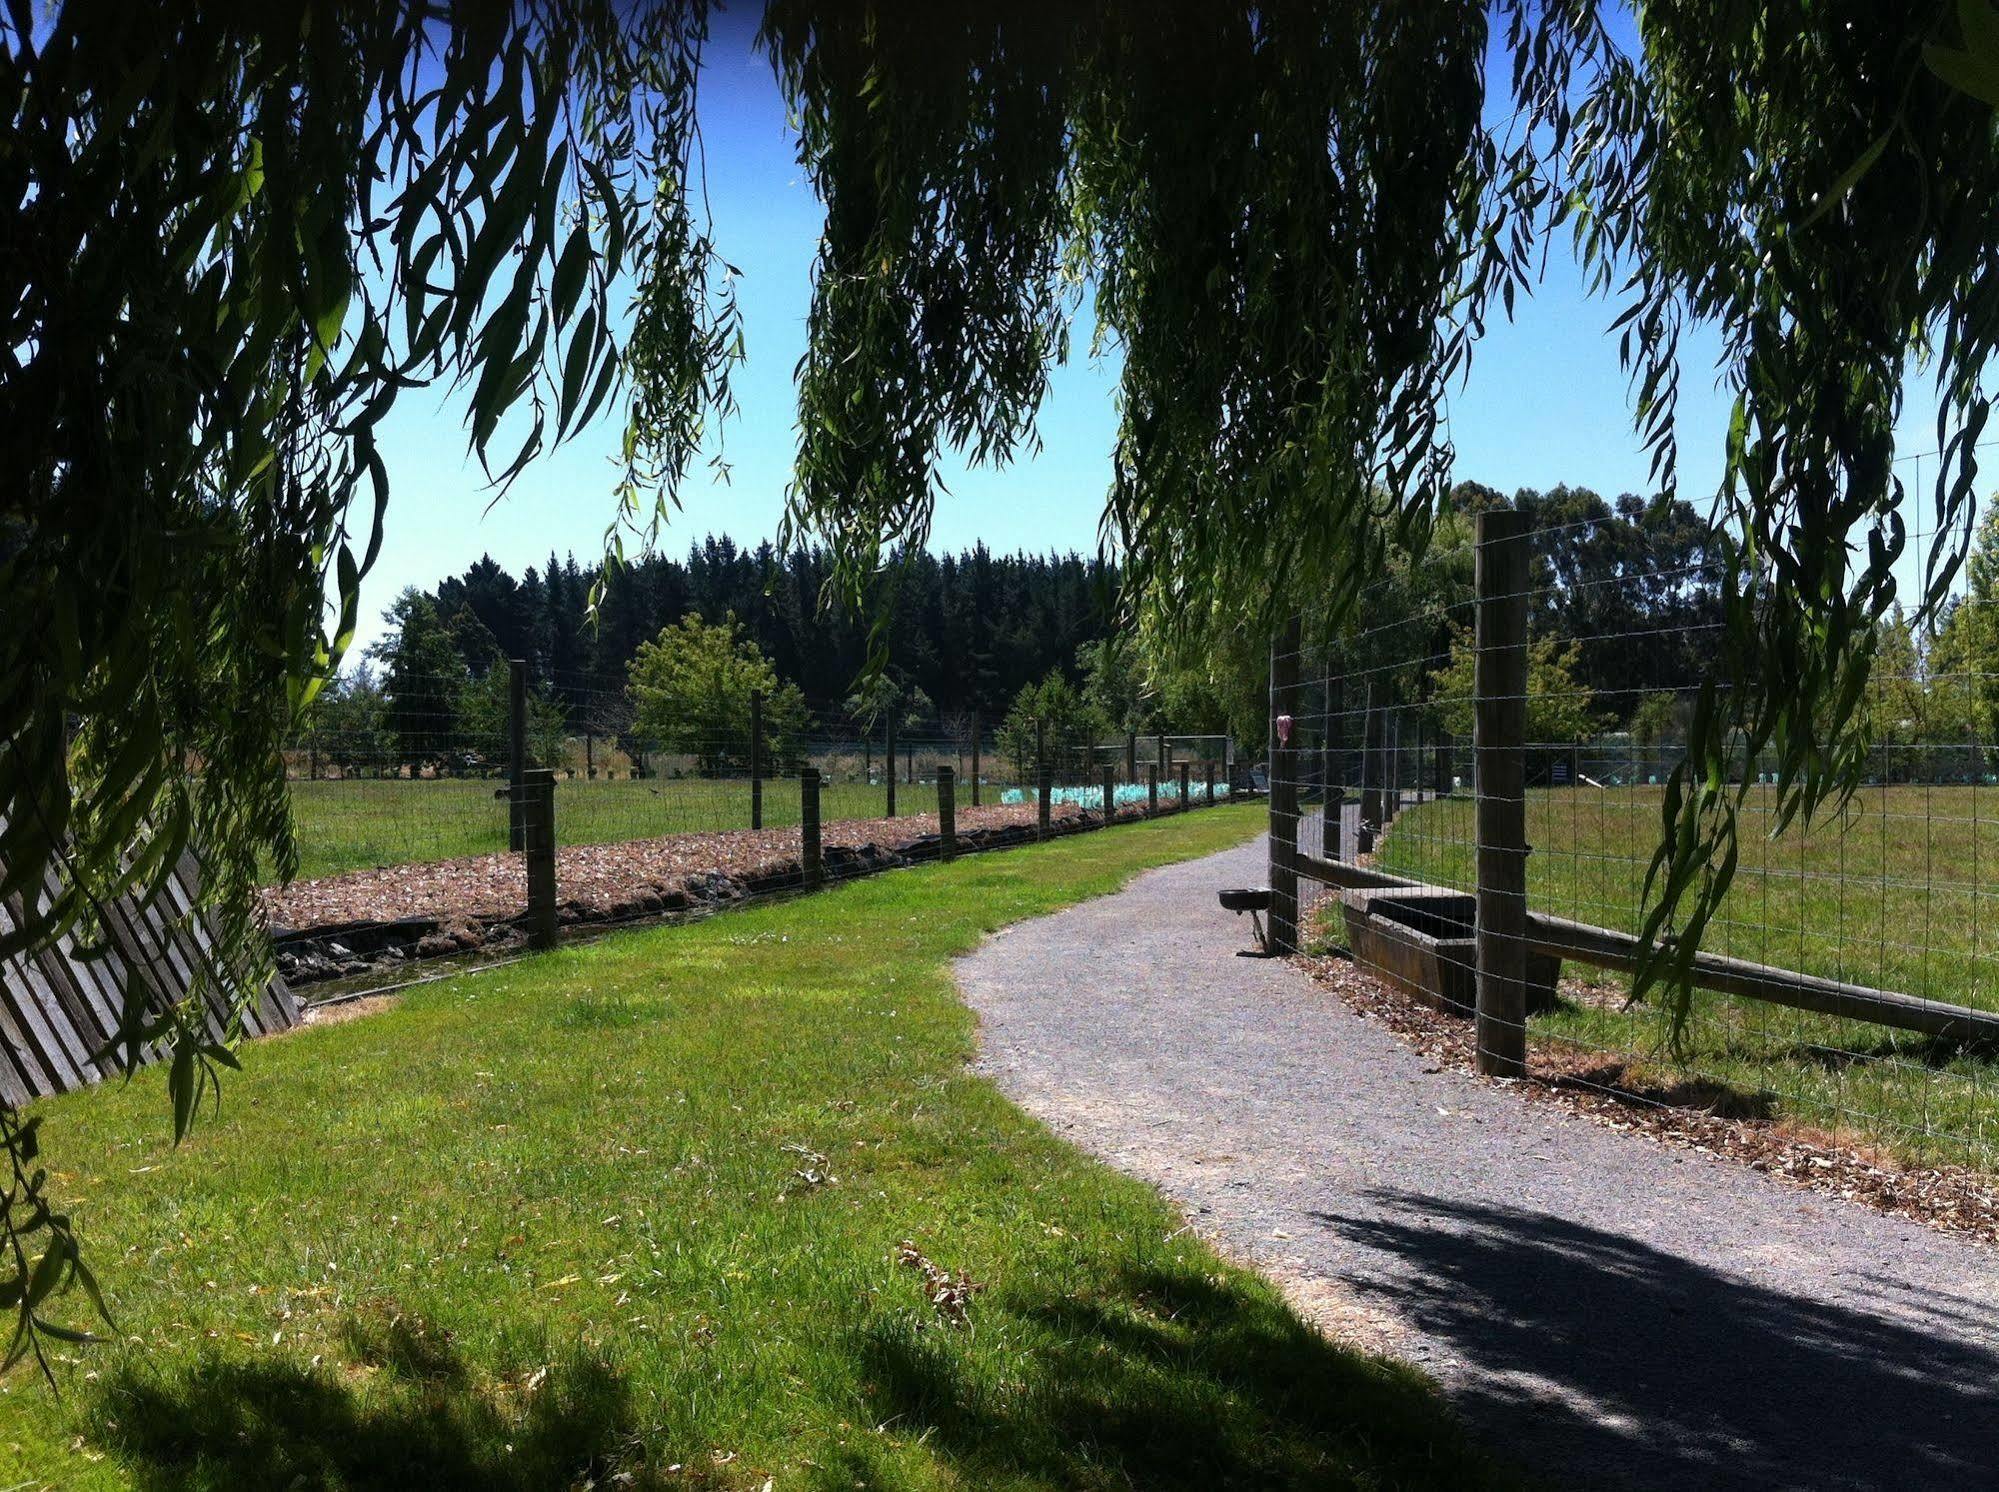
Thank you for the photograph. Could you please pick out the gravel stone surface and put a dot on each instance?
(1603, 1309)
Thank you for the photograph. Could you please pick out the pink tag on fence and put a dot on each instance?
(1283, 730)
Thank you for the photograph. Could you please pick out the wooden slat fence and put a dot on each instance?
(59, 1006)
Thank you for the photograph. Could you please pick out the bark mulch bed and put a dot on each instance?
(343, 925)
(1694, 1116)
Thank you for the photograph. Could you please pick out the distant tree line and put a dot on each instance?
(969, 629)
(1628, 588)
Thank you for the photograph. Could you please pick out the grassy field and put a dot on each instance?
(364, 823)
(631, 1210)
(1895, 897)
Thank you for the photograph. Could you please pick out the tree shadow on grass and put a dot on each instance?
(1168, 1379)
(1598, 1354)
(222, 1422)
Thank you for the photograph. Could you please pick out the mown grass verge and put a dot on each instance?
(627, 1215)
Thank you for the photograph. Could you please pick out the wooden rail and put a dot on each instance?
(1606, 948)
(1735, 976)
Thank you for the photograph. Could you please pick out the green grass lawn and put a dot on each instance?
(571, 1220)
(1896, 900)
(366, 822)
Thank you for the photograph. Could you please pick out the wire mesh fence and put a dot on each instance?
(1464, 797)
(416, 816)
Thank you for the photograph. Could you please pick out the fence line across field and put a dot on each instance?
(504, 833)
(1847, 979)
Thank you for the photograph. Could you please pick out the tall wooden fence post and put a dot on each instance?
(1185, 801)
(1152, 790)
(538, 826)
(975, 758)
(809, 856)
(756, 758)
(1499, 784)
(888, 758)
(1283, 792)
(1208, 783)
(1131, 756)
(947, 813)
(517, 751)
(1110, 795)
(1044, 787)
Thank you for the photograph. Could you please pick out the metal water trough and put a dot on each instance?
(1420, 939)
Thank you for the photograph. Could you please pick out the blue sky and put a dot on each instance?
(1546, 401)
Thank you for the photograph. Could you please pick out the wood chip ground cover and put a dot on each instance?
(600, 879)
(1613, 1092)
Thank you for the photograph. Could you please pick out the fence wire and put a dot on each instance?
(1884, 895)
(413, 823)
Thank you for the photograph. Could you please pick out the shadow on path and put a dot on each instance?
(1588, 1349)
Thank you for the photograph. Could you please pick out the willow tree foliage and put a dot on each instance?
(235, 234)
(232, 236)
(1296, 219)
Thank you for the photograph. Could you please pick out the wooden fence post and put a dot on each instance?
(1185, 801)
(1499, 783)
(1283, 792)
(538, 829)
(809, 857)
(1131, 756)
(947, 813)
(1208, 782)
(975, 758)
(756, 758)
(517, 751)
(1044, 785)
(1110, 795)
(888, 759)
(1152, 790)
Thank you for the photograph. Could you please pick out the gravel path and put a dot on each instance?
(1607, 1310)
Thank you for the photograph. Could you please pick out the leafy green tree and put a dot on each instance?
(474, 640)
(1116, 683)
(349, 723)
(423, 678)
(885, 695)
(1053, 713)
(485, 722)
(1560, 706)
(690, 691)
(1964, 671)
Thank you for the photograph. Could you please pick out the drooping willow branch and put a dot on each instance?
(1296, 219)
(235, 236)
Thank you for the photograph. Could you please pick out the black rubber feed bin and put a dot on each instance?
(1246, 899)
(1254, 900)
